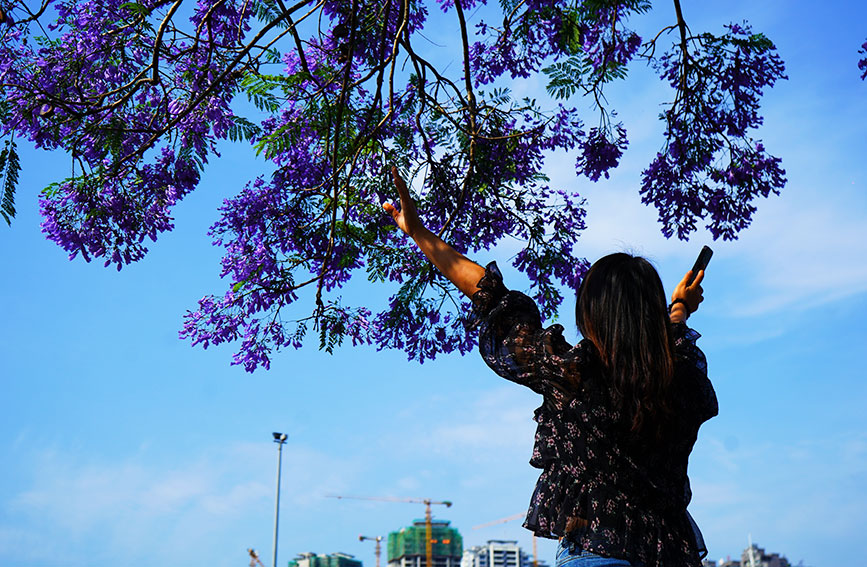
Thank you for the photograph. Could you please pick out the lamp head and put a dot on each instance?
(280, 437)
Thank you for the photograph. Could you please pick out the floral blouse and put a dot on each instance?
(633, 495)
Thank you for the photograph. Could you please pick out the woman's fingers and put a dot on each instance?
(400, 185)
(690, 291)
(696, 289)
(406, 218)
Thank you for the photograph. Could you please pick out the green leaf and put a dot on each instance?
(135, 8)
(761, 43)
(10, 166)
(243, 130)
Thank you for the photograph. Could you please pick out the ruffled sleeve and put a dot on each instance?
(512, 340)
(691, 366)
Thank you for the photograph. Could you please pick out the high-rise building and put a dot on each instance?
(321, 560)
(406, 548)
(755, 556)
(497, 553)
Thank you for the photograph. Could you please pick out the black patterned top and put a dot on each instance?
(632, 494)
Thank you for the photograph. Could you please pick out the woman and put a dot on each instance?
(621, 409)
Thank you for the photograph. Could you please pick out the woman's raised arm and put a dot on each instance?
(459, 269)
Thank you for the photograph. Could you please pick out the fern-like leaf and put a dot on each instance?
(9, 168)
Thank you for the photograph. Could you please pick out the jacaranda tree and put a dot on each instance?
(139, 93)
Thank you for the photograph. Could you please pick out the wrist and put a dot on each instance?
(678, 316)
(420, 233)
(678, 310)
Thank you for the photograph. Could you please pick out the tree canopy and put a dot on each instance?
(139, 93)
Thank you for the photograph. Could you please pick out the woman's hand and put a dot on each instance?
(686, 297)
(406, 218)
(462, 272)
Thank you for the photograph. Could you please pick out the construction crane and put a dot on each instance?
(500, 521)
(428, 548)
(377, 539)
(510, 519)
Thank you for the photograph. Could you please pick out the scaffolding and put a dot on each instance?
(446, 544)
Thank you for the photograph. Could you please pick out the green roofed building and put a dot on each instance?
(322, 560)
(406, 548)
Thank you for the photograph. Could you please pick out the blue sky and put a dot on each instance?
(121, 444)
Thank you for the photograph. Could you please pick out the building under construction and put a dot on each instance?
(406, 548)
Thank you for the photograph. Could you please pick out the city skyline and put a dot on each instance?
(507, 553)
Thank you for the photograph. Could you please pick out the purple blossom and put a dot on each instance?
(605, 43)
(599, 153)
(711, 168)
(862, 64)
(100, 215)
(518, 53)
(446, 5)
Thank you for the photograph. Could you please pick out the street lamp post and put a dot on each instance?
(280, 439)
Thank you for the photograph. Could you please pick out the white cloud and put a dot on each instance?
(498, 421)
(807, 251)
(149, 514)
(800, 492)
(804, 249)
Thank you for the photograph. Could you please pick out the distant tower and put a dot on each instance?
(757, 556)
(406, 548)
(497, 553)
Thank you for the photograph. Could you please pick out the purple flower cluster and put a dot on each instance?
(599, 153)
(605, 42)
(711, 168)
(862, 64)
(418, 326)
(537, 31)
(550, 262)
(108, 90)
(350, 29)
(98, 216)
(517, 48)
(446, 5)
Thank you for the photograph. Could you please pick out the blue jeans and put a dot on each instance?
(568, 555)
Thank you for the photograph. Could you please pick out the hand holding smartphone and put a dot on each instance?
(684, 294)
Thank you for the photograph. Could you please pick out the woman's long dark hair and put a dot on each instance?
(622, 310)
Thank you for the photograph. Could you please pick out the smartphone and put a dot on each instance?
(701, 262)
